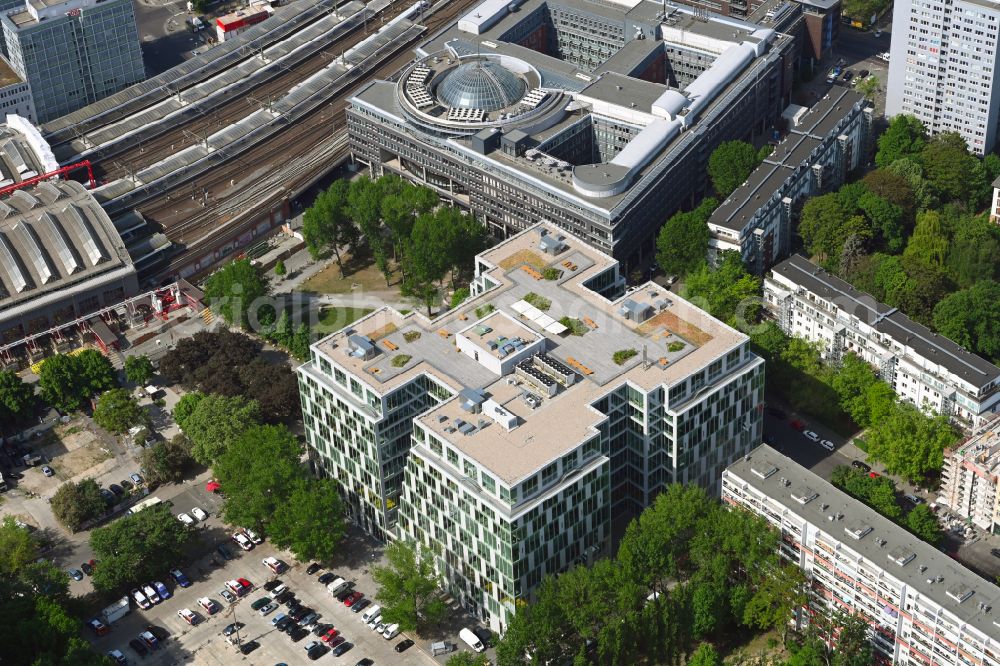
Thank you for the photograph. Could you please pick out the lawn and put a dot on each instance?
(767, 646)
(362, 276)
(334, 319)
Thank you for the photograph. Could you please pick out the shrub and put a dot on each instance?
(575, 326)
(622, 355)
(552, 273)
(675, 346)
(484, 310)
(539, 302)
(459, 296)
(411, 336)
(400, 360)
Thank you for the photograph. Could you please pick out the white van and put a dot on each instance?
(471, 639)
(337, 585)
(391, 631)
(278, 590)
(370, 613)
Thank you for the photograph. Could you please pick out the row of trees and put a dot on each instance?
(67, 383)
(266, 489)
(908, 233)
(39, 618)
(239, 292)
(899, 435)
(688, 572)
(401, 225)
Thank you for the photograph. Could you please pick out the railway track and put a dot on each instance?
(146, 153)
(214, 210)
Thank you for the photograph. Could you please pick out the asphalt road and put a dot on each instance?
(164, 35)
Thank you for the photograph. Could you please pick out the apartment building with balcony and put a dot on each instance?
(823, 145)
(970, 478)
(923, 367)
(518, 433)
(923, 607)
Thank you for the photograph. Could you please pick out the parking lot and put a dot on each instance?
(204, 642)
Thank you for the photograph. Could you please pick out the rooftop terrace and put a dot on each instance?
(670, 337)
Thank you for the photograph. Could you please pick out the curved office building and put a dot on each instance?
(597, 116)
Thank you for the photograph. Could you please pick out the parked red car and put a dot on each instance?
(355, 596)
(797, 424)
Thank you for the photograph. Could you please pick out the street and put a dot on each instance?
(856, 51)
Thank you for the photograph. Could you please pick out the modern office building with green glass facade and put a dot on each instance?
(519, 433)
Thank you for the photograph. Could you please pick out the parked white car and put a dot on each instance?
(391, 631)
(188, 615)
(826, 444)
(151, 593)
(208, 604)
(252, 535)
(242, 541)
(810, 435)
(140, 599)
(274, 564)
(186, 519)
(199, 514)
(884, 56)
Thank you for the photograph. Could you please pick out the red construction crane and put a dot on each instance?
(61, 171)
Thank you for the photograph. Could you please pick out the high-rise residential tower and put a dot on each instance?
(943, 67)
(73, 52)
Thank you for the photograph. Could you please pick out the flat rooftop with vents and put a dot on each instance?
(492, 342)
(927, 573)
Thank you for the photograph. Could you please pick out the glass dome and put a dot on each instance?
(482, 84)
